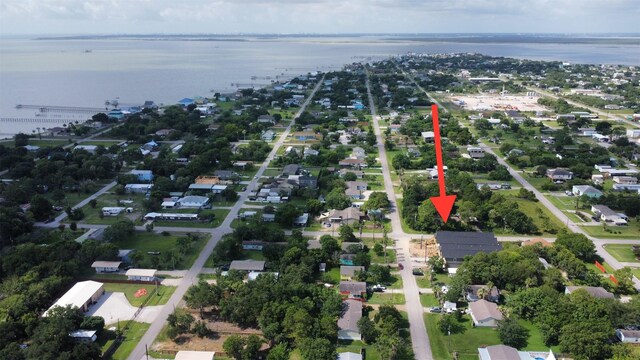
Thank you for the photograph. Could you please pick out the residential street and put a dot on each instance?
(419, 336)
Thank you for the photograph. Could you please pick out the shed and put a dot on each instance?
(628, 336)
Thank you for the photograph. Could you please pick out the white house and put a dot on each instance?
(193, 202)
(195, 355)
(475, 152)
(84, 336)
(587, 190)
(106, 266)
(81, 296)
(628, 336)
(141, 274)
(606, 214)
(112, 211)
(428, 136)
(625, 180)
(138, 188)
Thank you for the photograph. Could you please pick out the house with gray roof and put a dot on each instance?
(587, 190)
(596, 292)
(348, 321)
(484, 313)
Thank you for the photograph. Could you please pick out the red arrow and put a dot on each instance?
(444, 202)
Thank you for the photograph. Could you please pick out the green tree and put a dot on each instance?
(252, 347)
(317, 349)
(587, 340)
(449, 325)
(377, 200)
(511, 333)
(181, 320)
(123, 229)
(278, 352)
(233, 346)
(436, 263)
(41, 207)
(367, 330)
(578, 244)
(346, 233)
(286, 214)
(202, 295)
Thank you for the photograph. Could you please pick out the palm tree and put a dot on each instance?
(482, 293)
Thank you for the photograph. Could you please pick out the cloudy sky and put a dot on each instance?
(316, 16)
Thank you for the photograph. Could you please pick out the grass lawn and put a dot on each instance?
(592, 266)
(392, 299)
(428, 300)
(541, 216)
(467, 343)
(145, 242)
(630, 231)
(129, 291)
(332, 276)
(621, 252)
(132, 337)
(355, 346)
(396, 282)
(252, 255)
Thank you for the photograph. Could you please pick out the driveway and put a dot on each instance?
(114, 307)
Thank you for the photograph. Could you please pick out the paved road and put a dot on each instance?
(419, 336)
(191, 275)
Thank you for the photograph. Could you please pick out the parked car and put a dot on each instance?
(435, 309)
(400, 266)
(378, 288)
(417, 271)
(569, 193)
(595, 218)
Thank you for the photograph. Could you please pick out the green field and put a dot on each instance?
(145, 242)
(546, 222)
(132, 336)
(428, 300)
(621, 252)
(129, 290)
(630, 231)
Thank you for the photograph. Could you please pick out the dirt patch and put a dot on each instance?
(417, 247)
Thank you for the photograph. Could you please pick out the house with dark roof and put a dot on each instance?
(596, 292)
(348, 272)
(484, 313)
(453, 246)
(559, 174)
(348, 321)
(225, 174)
(291, 169)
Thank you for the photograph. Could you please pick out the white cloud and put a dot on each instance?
(326, 16)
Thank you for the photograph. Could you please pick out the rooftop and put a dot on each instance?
(247, 265)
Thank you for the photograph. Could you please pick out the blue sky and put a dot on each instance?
(317, 16)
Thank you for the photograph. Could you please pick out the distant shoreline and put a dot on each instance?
(602, 39)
